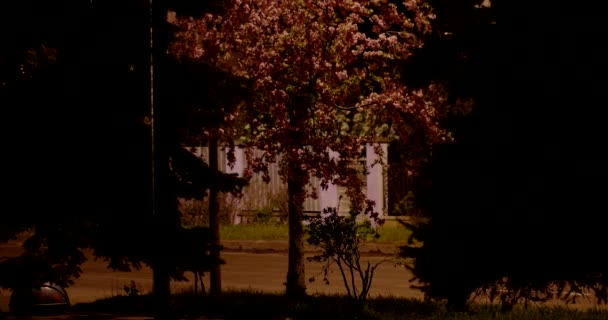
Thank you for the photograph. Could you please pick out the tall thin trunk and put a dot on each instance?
(215, 276)
(201, 278)
(195, 283)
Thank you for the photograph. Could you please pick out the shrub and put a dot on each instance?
(340, 239)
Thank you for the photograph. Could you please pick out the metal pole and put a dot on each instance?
(161, 190)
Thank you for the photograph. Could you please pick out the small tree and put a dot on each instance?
(324, 79)
(340, 238)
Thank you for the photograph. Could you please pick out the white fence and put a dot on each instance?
(259, 195)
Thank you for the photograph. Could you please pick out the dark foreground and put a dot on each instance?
(255, 305)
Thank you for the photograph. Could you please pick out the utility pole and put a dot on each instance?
(164, 204)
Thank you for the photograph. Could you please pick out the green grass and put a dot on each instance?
(273, 231)
(393, 234)
(268, 231)
(258, 305)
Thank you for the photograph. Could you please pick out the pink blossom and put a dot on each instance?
(342, 75)
(304, 57)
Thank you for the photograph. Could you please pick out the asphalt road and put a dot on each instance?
(256, 271)
(264, 272)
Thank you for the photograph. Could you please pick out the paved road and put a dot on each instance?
(265, 272)
(256, 271)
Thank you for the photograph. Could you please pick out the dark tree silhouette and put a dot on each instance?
(516, 202)
(75, 90)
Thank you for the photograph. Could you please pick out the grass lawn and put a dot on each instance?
(269, 231)
(256, 305)
(272, 231)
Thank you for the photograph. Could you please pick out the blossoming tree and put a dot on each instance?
(324, 83)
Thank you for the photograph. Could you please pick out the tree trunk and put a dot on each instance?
(296, 180)
(296, 283)
(195, 283)
(201, 278)
(215, 276)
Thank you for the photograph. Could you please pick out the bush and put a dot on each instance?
(340, 239)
